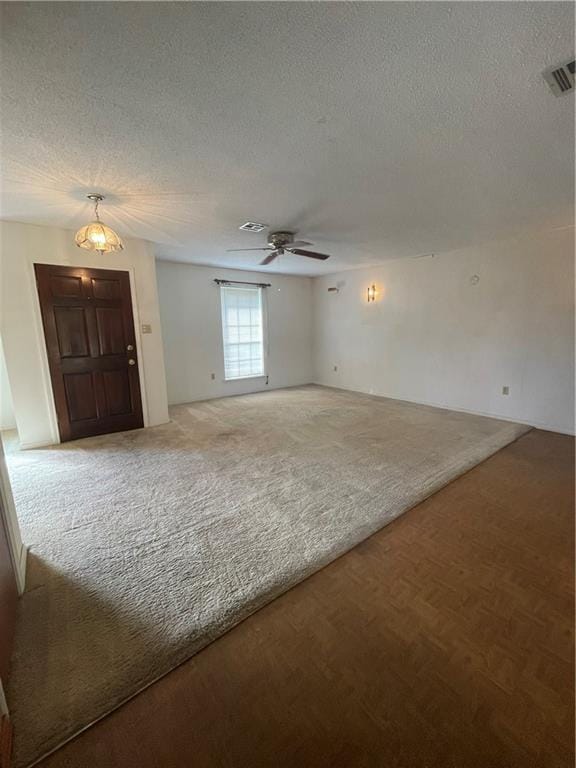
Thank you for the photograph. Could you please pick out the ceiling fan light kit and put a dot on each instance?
(97, 236)
(283, 242)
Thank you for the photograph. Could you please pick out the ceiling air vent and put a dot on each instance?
(560, 78)
(252, 226)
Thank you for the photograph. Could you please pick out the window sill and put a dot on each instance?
(244, 378)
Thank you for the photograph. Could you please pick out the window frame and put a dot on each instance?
(263, 315)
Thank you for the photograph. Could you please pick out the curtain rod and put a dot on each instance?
(241, 282)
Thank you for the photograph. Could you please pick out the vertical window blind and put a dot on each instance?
(243, 331)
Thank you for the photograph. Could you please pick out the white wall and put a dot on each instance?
(22, 245)
(7, 417)
(431, 336)
(192, 330)
(434, 337)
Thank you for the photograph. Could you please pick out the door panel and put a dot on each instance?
(72, 331)
(80, 396)
(91, 345)
(111, 337)
(106, 289)
(66, 286)
(117, 391)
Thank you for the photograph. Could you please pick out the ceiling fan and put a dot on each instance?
(279, 243)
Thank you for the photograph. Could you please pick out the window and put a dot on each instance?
(242, 331)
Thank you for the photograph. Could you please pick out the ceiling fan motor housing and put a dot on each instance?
(280, 239)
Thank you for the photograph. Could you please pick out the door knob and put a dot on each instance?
(131, 361)
(129, 348)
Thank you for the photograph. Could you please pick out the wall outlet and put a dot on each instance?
(506, 390)
(213, 376)
(335, 368)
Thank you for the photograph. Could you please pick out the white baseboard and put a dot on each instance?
(264, 388)
(41, 444)
(448, 407)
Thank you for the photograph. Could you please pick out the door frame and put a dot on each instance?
(9, 518)
(39, 328)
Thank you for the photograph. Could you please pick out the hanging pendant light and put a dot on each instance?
(96, 236)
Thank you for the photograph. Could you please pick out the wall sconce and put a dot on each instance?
(371, 293)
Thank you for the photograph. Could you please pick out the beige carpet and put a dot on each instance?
(147, 545)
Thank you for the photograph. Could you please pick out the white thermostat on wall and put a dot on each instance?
(146, 328)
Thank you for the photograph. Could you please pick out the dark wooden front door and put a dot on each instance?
(89, 330)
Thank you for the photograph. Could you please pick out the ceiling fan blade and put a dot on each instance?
(235, 250)
(310, 254)
(269, 258)
(299, 244)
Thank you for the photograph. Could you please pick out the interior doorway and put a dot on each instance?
(91, 345)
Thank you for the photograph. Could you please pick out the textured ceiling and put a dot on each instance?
(376, 130)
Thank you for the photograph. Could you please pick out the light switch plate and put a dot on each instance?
(146, 328)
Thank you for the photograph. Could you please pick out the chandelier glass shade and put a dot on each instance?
(96, 236)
